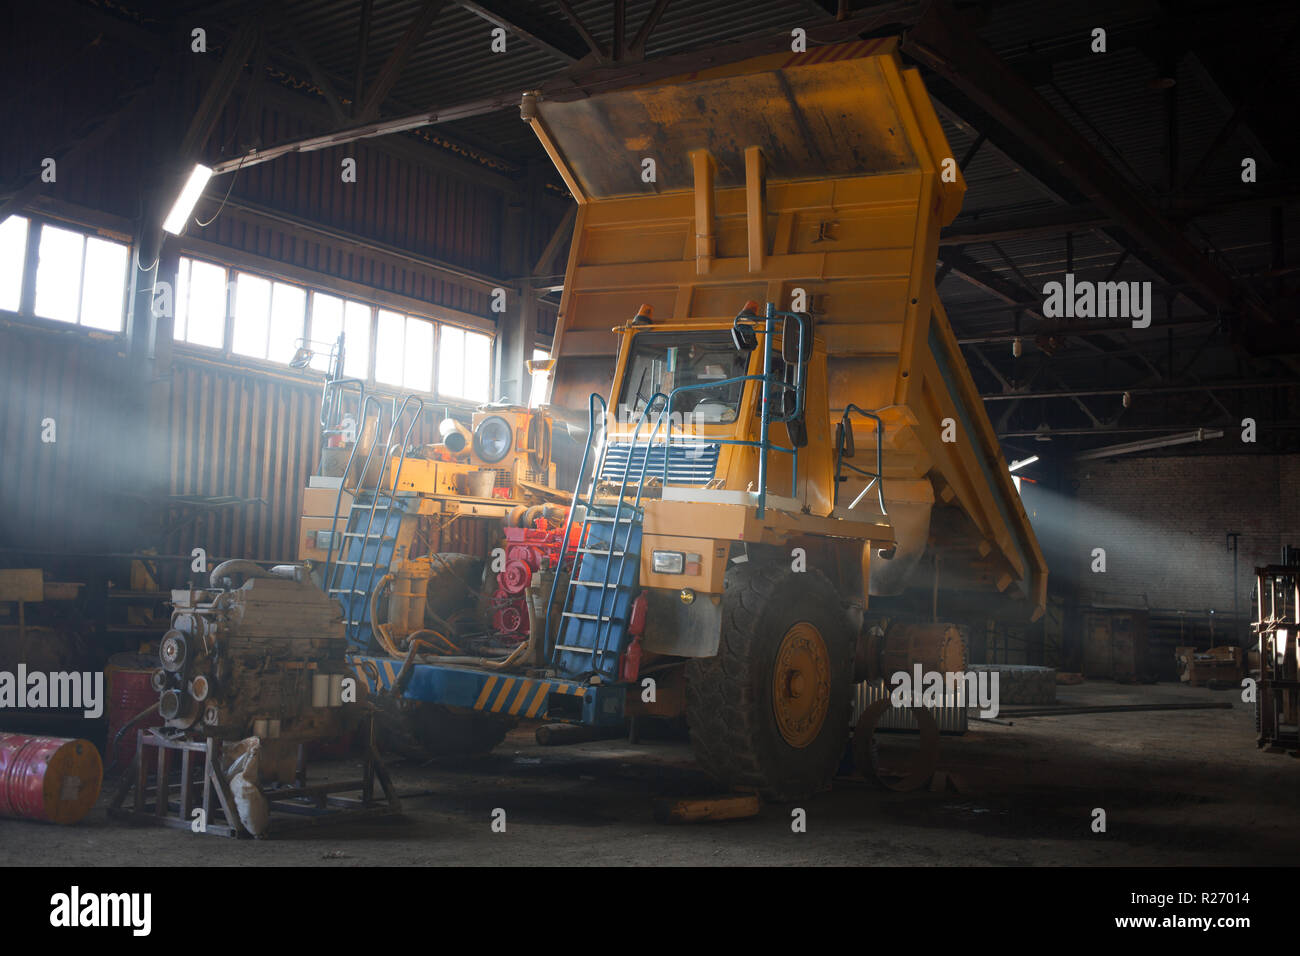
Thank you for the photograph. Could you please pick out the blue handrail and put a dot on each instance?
(568, 523)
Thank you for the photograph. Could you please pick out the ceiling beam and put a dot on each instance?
(223, 83)
(386, 127)
(637, 47)
(363, 45)
(393, 66)
(620, 28)
(594, 45)
(318, 76)
(1048, 222)
(547, 33)
(986, 279)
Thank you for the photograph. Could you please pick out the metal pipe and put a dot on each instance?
(1201, 434)
(1232, 386)
(768, 323)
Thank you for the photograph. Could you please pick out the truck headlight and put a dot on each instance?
(668, 562)
(493, 439)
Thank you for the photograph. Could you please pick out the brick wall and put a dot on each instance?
(1163, 521)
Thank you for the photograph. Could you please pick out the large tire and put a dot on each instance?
(421, 731)
(747, 728)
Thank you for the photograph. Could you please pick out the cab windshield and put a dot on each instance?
(663, 361)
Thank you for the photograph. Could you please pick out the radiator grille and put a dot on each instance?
(693, 463)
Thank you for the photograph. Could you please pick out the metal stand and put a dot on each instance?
(160, 800)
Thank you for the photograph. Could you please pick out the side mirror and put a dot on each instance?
(796, 339)
(744, 338)
(844, 439)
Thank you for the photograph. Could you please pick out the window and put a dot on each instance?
(404, 351)
(538, 387)
(80, 279)
(464, 364)
(662, 361)
(330, 315)
(200, 304)
(13, 250)
(269, 318)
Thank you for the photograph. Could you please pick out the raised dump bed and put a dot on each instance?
(818, 181)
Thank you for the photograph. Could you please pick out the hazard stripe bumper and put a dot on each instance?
(494, 692)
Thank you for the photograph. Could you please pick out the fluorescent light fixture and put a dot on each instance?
(187, 200)
(1017, 465)
(1148, 444)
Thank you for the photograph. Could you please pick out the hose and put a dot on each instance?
(416, 636)
(376, 628)
(124, 728)
(391, 650)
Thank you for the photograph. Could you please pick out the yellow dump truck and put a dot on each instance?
(762, 472)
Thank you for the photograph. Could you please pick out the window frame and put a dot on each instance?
(373, 306)
(491, 370)
(26, 311)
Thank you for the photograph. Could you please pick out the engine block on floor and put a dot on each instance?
(263, 659)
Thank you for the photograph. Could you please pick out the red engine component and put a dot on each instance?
(510, 617)
(526, 549)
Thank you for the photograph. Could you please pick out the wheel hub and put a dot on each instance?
(801, 685)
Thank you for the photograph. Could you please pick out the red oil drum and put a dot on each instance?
(48, 778)
(129, 693)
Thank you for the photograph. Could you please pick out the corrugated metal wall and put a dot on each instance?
(233, 433)
(66, 494)
(251, 435)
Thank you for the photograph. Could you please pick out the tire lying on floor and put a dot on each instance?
(422, 731)
(770, 712)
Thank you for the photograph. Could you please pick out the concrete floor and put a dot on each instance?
(1178, 787)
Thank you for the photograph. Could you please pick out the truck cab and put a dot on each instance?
(687, 407)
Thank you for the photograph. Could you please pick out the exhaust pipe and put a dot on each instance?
(455, 436)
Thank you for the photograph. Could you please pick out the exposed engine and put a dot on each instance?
(264, 659)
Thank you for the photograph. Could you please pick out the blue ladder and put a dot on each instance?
(366, 551)
(597, 608)
(365, 556)
(598, 605)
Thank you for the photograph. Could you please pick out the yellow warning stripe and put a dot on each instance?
(501, 697)
(538, 700)
(484, 693)
(519, 699)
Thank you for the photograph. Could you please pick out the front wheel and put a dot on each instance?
(770, 712)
